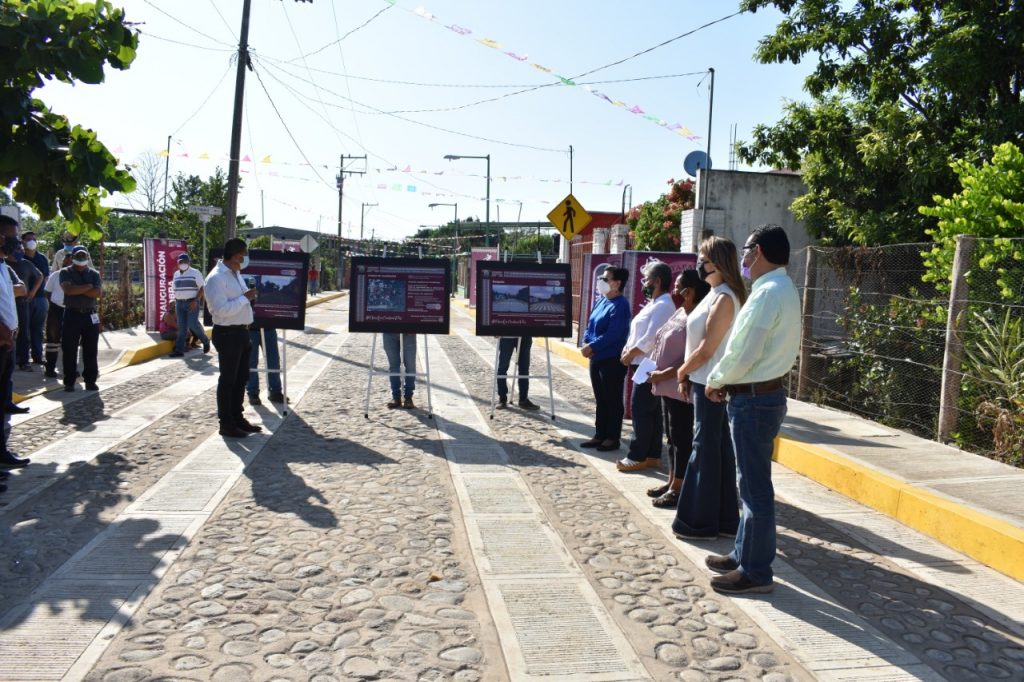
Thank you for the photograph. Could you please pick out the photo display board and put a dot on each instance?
(523, 299)
(280, 278)
(401, 295)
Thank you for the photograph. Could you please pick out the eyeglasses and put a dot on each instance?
(604, 279)
(749, 247)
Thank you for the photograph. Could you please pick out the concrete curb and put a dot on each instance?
(983, 537)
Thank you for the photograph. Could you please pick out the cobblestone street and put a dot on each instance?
(433, 545)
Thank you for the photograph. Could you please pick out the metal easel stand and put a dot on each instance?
(400, 374)
(283, 371)
(514, 378)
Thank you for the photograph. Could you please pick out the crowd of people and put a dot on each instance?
(709, 375)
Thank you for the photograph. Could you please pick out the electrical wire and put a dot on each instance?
(208, 97)
(180, 42)
(223, 20)
(295, 37)
(339, 40)
(189, 27)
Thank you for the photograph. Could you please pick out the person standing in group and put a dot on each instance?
(507, 346)
(33, 279)
(268, 341)
(708, 505)
(8, 331)
(313, 276)
(645, 407)
(9, 232)
(188, 301)
(37, 305)
(677, 406)
(82, 289)
(399, 350)
(761, 350)
(230, 304)
(603, 341)
(55, 312)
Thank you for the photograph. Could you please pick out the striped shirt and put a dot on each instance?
(187, 284)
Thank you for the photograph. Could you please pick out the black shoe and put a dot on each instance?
(50, 374)
(38, 362)
(737, 582)
(9, 460)
(502, 403)
(608, 446)
(254, 399)
(720, 563)
(3, 488)
(92, 387)
(592, 443)
(249, 428)
(176, 354)
(525, 404)
(206, 347)
(232, 432)
(277, 397)
(26, 368)
(69, 388)
(17, 410)
(4, 475)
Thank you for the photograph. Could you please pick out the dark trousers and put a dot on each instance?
(647, 426)
(37, 311)
(54, 327)
(6, 366)
(79, 329)
(606, 379)
(505, 349)
(679, 429)
(24, 334)
(233, 348)
(708, 503)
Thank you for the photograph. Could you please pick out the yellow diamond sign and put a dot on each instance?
(569, 217)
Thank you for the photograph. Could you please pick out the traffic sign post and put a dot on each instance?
(205, 213)
(569, 217)
(308, 244)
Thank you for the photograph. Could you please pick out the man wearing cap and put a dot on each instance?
(82, 288)
(37, 306)
(230, 302)
(188, 301)
(9, 287)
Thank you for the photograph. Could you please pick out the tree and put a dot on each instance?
(60, 168)
(149, 174)
(900, 90)
(191, 190)
(656, 224)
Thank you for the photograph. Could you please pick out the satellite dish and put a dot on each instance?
(694, 161)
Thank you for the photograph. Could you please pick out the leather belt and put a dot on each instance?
(232, 326)
(757, 388)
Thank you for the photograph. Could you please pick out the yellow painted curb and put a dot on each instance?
(989, 540)
(326, 298)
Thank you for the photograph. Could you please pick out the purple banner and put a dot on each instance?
(159, 263)
(478, 255)
(524, 299)
(402, 295)
(594, 265)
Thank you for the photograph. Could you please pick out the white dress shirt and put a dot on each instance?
(225, 297)
(53, 288)
(644, 328)
(8, 310)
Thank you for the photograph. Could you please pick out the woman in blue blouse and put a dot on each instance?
(607, 330)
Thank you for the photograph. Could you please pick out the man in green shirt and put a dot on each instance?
(761, 349)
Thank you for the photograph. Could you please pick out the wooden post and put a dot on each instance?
(951, 360)
(807, 327)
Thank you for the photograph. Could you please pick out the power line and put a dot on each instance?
(208, 97)
(338, 41)
(189, 27)
(180, 42)
(223, 20)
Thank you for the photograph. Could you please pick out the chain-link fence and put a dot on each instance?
(876, 341)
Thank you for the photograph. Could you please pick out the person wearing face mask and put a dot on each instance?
(230, 299)
(645, 448)
(761, 349)
(55, 313)
(33, 279)
(603, 341)
(9, 288)
(37, 305)
(707, 503)
(82, 288)
(188, 286)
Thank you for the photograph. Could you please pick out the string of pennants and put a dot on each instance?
(635, 109)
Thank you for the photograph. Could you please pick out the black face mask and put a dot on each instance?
(702, 272)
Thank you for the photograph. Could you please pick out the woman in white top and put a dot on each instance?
(708, 503)
(55, 313)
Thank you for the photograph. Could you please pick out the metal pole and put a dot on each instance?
(570, 169)
(488, 199)
(167, 171)
(236, 124)
(341, 196)
(707, 163)
(284, 370)
(263, 214)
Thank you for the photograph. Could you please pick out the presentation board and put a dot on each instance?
(634, 261)
(280, 278)
(401, 295)
(523, 299)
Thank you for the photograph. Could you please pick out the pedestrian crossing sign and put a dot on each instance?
(569, 217)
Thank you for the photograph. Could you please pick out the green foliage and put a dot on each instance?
(655, 224)
(261, 242)
(989, 204)
(60, 168)
(900, 89)
(191, 190)
(528, 244)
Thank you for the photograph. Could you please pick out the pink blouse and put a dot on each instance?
(669, 351)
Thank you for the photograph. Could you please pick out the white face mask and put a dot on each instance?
(30, 245)
(183, 266)
(603, 287)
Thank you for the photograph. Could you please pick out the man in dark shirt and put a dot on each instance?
(37, 306)
(34, 281)
(82, 288)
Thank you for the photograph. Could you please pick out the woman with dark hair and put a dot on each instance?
(708, 504)
(677, 407)
(607, 330)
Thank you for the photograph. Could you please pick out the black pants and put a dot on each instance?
(6, 367)
(647, 424)
(54, 328)
(505, 349)
(679, 428)
(80, 329)
(606, 378)
(233, 348)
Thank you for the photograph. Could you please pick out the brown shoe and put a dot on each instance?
(627, 464)
(395, 404)
(592, 443)
(720, 563)
(737, 582)
(409, 404)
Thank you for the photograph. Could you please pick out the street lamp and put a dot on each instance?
(456, 207)
(453, 157)
(362, 217)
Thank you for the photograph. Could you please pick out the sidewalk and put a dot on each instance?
(965, 501)
(118, 349)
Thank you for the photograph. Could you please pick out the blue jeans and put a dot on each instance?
(647, 424)
(269, 343)
(707, 503)
(755, 422)
(395, 357)
(37, 309)
(505, 349)
(188, 321)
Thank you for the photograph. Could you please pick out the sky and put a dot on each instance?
(403, 83)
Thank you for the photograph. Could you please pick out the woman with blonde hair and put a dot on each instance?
(708, 505)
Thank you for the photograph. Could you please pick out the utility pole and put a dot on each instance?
(570, 169)
(707, 163)
(236, 123)
(167, 172)
(342, 172)
(362, 220)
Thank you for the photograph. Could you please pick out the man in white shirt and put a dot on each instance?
(188, 286)
(230, 302)
(645, 407)
(55, 313)
(9, 243)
